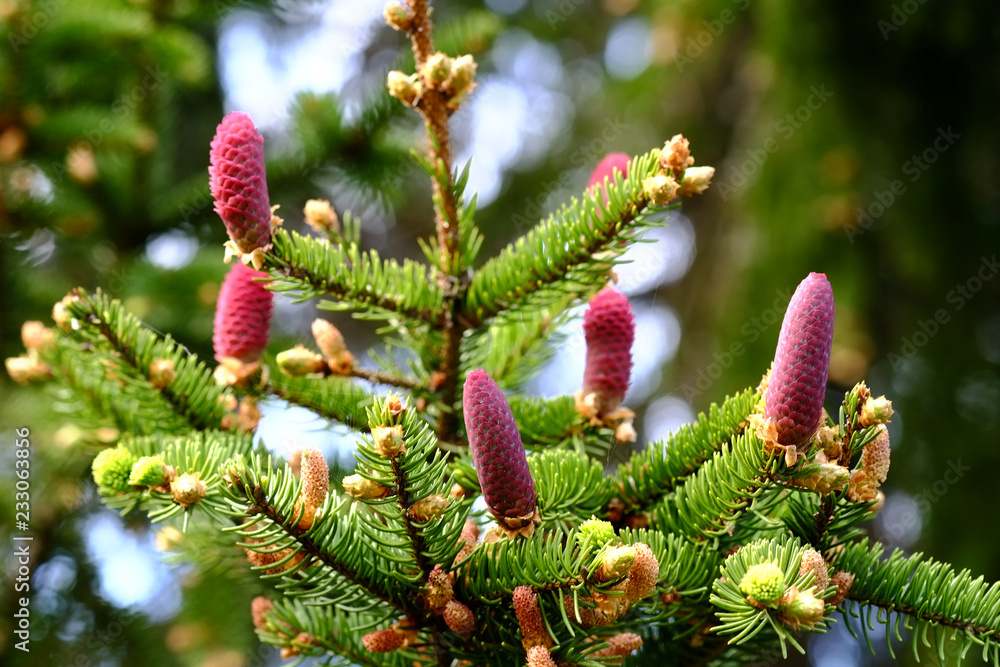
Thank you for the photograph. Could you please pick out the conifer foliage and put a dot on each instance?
(737, 534)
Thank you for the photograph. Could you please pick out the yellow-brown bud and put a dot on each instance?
(437, 69)
(331, 343)
(529, 618)
(660, 189)
(801, 609)
(187, 489)
(315, 474)
(875, 456)
(259, 607)
(539, 656)
(812, 561)
(27, 368)
(404, 88)
(397, 16)
(60, 312)
(300, 361)
(696, 181)
(644, 574)
(829, 441)
(863, 488)
(248, 416)
(162, 373)
(459, 618)
(460, 80)
(364, 489)
(876, 411)
(621, 645)
(440, 590)
(36, 336)
(428, 508)
(389, 440)
(842, 580)
(676, 155)
(616, 563)
(320, 216)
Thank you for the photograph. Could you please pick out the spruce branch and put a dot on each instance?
(325, 630)
(334, 398)
(347, 278)
(130, 349)
(571, 252)
(96, 397)
(436, 91)
(929, 592)
(655, 471)
(570, 488)
(334, 567)
(707, 503)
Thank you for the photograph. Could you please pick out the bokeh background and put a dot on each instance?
(859, 139)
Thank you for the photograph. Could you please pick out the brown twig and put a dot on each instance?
(381, 377)
(433, 106)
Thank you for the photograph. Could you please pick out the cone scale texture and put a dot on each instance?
(797, 386)
(497, 451)
(242, 315)
(609, 328)
(238, 182)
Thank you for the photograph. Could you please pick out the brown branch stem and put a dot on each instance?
(433, 106)
(382, 377)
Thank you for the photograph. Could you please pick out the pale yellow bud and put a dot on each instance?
(321, 216)
(162, 373)
(661, 190)
(388, 440)
(437, 69)
(696, 180)
(36, 336)
(404, 88)
(364, 489)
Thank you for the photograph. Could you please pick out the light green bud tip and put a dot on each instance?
(597, 531)
(765, 583)
(148, 471)
(112, 469)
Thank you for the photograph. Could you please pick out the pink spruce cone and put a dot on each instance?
(609, 328)
(797, 386)
(242, 315)
(606, 169)
(497, 451)
(239, 183)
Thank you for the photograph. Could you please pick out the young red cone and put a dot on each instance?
(797, 386)
(609, 328)
(238, 183)
(498, 454)
(242, 316)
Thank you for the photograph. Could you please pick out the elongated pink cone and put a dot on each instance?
(238, 182)
(497, 451)
(609, 327)
(242, 315)
(797, 386)
(606, 168)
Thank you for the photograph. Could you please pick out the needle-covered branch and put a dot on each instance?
(571, 252)
(347, 278)
(150, 370)
(937, 604)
